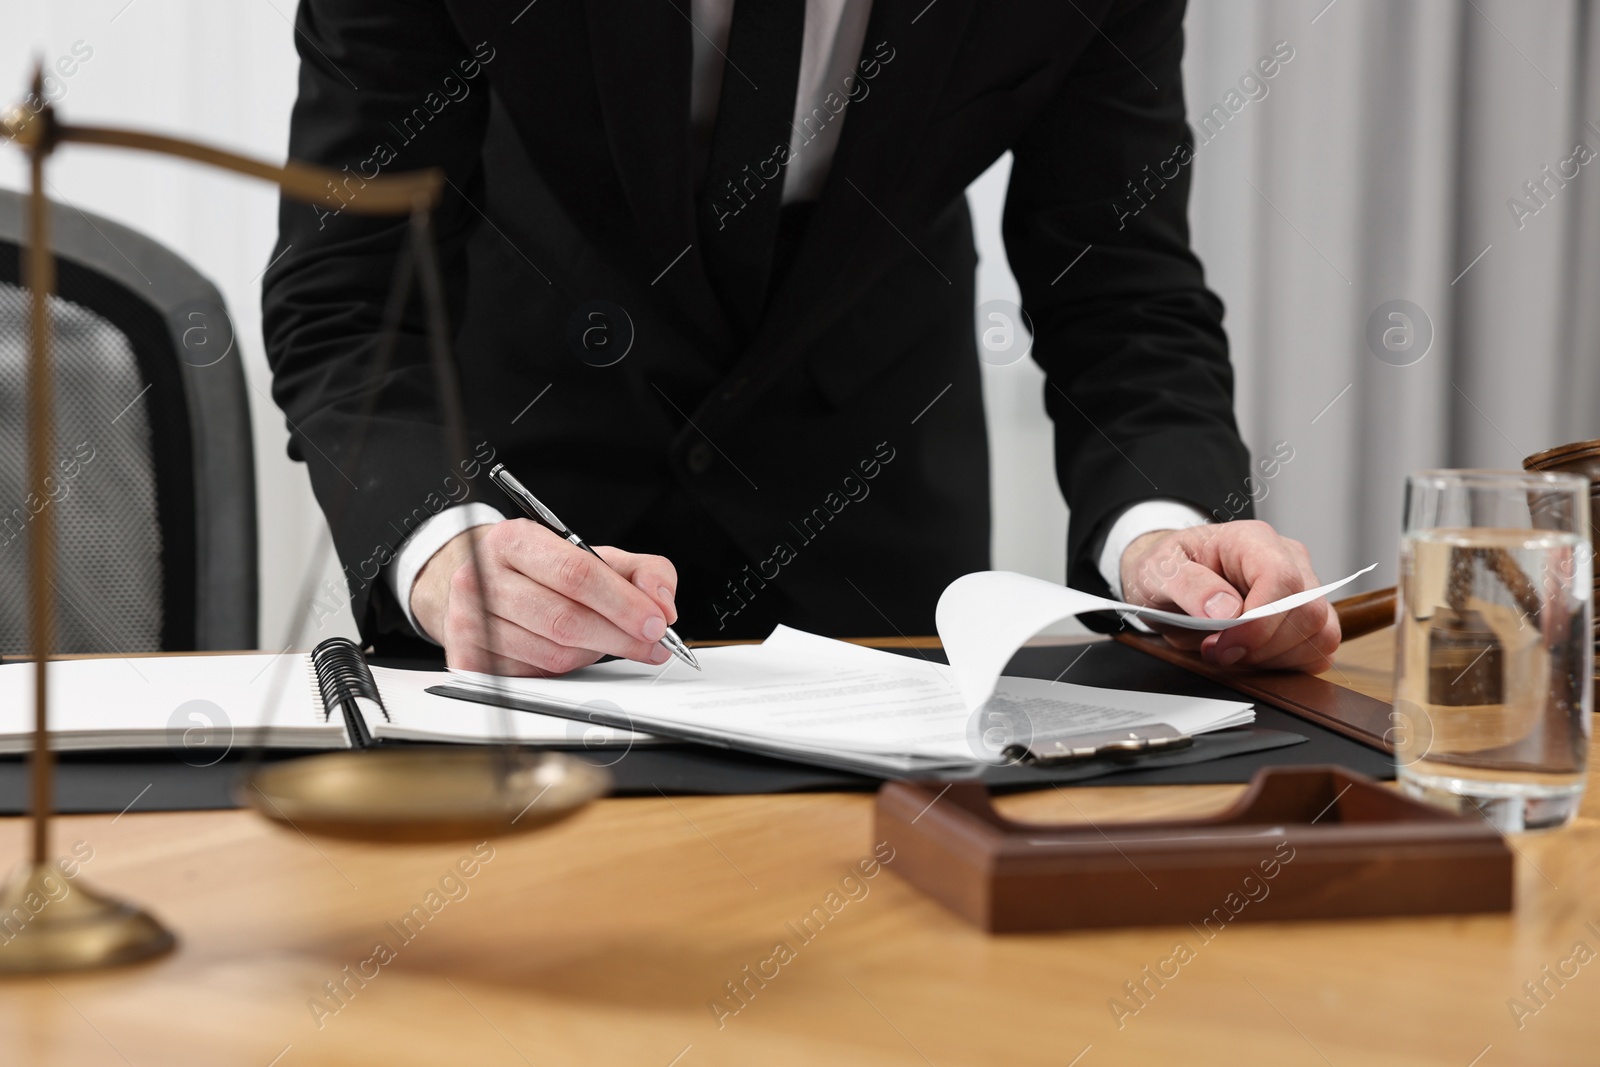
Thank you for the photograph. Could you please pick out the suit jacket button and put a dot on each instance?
(699, 457)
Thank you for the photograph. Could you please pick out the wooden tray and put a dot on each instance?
(1302, 843)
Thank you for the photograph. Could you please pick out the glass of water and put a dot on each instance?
(1494, 658)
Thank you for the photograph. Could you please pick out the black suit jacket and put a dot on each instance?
(832, 470)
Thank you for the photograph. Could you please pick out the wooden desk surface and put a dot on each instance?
(606, 939)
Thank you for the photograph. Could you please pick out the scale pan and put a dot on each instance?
(422, 794)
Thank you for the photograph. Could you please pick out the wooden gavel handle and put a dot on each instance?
(1365, 613)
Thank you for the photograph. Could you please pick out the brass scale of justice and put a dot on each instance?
(416, 794)
(409, 795)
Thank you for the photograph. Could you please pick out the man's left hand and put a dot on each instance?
(1220, 571)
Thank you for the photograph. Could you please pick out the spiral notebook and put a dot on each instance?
(327, 698)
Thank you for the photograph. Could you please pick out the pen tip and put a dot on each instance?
(676, 646)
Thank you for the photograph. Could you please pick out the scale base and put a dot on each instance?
(49, 922)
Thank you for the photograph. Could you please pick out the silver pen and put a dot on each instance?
(539, 513)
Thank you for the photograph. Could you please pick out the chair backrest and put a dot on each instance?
(153, 474)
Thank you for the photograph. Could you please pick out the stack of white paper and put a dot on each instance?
(811, 696)
(819, 699)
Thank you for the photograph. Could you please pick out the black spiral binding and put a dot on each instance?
(342, 676)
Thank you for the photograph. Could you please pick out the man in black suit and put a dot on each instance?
(710, 272)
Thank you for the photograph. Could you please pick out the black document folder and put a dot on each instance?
(147, 781)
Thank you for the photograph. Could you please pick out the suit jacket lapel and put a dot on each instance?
(854, 228)
(642, 58)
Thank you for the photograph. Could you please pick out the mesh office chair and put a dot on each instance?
(153, 478)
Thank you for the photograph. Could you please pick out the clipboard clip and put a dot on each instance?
(1111, 744)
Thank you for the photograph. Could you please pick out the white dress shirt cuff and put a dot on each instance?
(421, 546)
(1137, 520)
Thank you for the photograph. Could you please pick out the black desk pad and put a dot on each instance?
(155, 780)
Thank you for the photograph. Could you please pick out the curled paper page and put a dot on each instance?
(984, 617)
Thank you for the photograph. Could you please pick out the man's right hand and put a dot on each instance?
(541, 606)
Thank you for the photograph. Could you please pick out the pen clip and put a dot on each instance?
(519, 492)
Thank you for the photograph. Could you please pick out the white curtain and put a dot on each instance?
(1385, 162)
